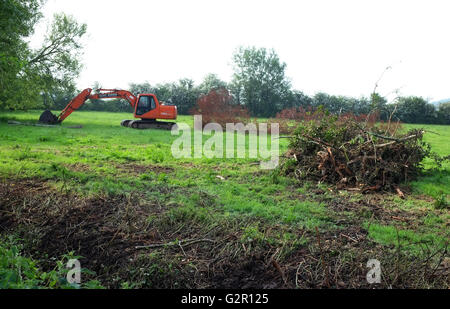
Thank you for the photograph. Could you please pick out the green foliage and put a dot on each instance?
(298, 99)
(19, 272)
(378, 104)
(418, 110)
(341, 104)
(57, 61)
(25, 73)
(252, 234)
(407, 239)
(327, 129)
(441, 201)
(184, 95)
(259, 81)
(17, 20)
(444, 113)
(210, 82)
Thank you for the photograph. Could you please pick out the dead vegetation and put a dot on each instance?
(362, 156)
(138, 169)
(160, 244)
(216, 107)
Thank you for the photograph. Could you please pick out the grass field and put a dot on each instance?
(139, 218)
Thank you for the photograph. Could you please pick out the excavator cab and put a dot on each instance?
(148, 109)
(145, 104)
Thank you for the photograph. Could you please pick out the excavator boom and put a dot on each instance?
(75, 104)
(115, 94)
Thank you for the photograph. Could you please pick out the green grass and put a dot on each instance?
(104, 158)
(88, 160)
(416, 243)
(27, 151)
(437, 182)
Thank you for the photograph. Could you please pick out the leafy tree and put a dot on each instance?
(299, 99)
(259, 81)
(17, 20)
(329, 102)
(30, 76)
(416, 110)
(184, 95)
(378, 104)
(164, 92)
(58, 99)
(211, 81)
(444, 113)
(361, 106)
(57, 62)
(141, 88)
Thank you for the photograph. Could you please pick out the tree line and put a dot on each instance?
(260, 85)
(45, 77)
(185, 94)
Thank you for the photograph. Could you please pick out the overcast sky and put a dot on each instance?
(339, 47)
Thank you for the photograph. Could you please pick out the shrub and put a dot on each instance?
(216, 107)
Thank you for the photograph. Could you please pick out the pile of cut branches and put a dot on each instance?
(355, 155)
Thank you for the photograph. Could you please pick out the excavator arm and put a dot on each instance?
(115, 94)
(82, 97)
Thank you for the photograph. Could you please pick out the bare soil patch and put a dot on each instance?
(78, 167)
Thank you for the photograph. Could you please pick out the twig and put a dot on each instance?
(287, 136)
(319, 141)
(179, 244)
(395, 140)
(349, 238)
(185, 243)
(400, 193)
(390, 118)
(277, 266)
(296, 274)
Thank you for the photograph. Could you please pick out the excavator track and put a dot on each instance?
(147, 124)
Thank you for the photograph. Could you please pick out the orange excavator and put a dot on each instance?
(145, 106)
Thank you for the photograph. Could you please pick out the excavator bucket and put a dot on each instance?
(48, 117)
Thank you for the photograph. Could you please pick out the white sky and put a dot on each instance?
(340, 47)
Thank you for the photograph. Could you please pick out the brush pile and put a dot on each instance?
(355, 155)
